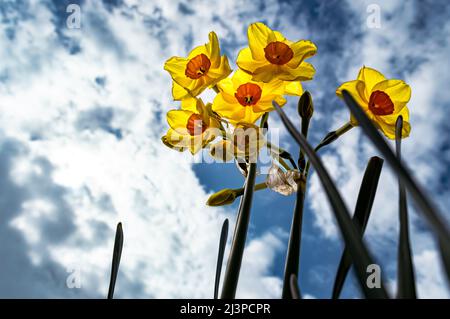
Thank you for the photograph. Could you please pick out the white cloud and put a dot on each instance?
(73, 180)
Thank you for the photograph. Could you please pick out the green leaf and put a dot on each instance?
(426, 206)
(240, 234)
(351, 235)
(117, 253)
(222, 244)
(406, 286)
(360, 218)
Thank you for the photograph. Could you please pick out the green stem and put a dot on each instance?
(240, 234)
(328, 139)
(406, 287)
(293, 252)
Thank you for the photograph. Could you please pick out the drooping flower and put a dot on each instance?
(382, 100)
(271, 56)
(284, 182)
(192, 127)
(242, 100)
(203, 68)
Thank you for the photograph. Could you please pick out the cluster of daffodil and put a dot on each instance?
(270, 68)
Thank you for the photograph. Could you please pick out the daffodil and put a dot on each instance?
(192, 127)
(242, 100)
(271, 56)
(382, 100)
(203, 68)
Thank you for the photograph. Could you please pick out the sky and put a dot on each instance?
(82, 111)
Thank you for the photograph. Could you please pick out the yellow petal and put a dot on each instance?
(240, 77)
(196, 144)
(178, 92)
(213, 50)
(293, 88)
(189, 104)
(275, 87)
(356, 90)
(267, 73)
(370, 77)
(304, 72)
(246, 62)
(221, 72)
(201, 49)
(178, 119)
(176, 140)
(225, 108)
(398, 91)
(259, 35)
(302, 49)
(387, 124)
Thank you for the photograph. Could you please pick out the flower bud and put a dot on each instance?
(305, 106)
(223, 197)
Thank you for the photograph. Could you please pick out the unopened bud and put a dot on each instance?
(222, 197)
(305, 106)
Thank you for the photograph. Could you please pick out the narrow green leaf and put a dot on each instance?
(427, 207)
(351, 235)
(240, 234)
(222, 244)
(295, 291)
(360, 218)
(406, 286)
(117, 253)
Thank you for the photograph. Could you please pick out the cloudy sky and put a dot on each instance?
(82, 112)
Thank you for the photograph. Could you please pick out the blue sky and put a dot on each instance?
(82, 112)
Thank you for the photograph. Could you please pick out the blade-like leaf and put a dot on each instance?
(427, 207)
(222, 244)
(406, 286)
(240, 234)
(360, 218)
(295, 291)
(117, 253)
(351, 235)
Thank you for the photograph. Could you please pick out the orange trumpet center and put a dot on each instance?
(380, 103)
(195, 125)
(278, 53)
(197, 67)
(248, 94)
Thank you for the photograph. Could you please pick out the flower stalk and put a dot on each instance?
(305, 110)
(240, 234)
(406, 287)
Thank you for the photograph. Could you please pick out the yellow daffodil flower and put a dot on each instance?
(242, 100)
(383, 100)
(271, 56)
(192, 127)
(203, 68)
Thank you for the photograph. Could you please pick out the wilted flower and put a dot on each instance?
(271, 56)
(284, 183)
(382, 100)
(192, 127)
(203, 68)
